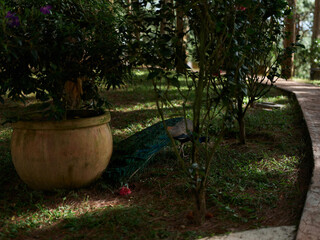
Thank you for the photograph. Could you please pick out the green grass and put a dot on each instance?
(259, 184)
(304, 80)
(248, 179)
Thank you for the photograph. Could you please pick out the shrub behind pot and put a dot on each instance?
(61, 51)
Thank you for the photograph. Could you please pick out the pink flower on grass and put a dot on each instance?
(241, 8)
(124, 190)
(46, 9)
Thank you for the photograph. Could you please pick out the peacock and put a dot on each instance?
(133, 154)
(182, 132)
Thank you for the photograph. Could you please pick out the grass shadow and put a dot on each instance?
(118, 222)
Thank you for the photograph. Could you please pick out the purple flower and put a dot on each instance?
(13, 20)
(46, 9)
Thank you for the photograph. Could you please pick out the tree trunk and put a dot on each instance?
(287, 64)
(241, 122)
(315, 36)
(135, 11)
(180, 50)
(201, 207)
(200, 187)
(164, 21)
(242, 130)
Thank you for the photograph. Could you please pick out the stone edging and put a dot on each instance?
(308, 97)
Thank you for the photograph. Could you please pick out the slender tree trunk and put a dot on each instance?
(287, 64)
(134, 9)
(315, 36)
(200, 187)
(180, 50)
(201, 207)
(242, 130)
(241, 122)
(164, 21)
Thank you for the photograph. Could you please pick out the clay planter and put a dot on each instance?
(61, 154)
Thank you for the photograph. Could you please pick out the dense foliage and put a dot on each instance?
(60, 50)
(255, 55)
(304, 21)
(239, 37)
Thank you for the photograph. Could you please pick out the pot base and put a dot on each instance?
(64, 154)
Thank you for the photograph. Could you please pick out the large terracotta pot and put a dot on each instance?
(61, 154)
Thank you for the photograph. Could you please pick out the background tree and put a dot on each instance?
(166, 7)
(315, 37)
(304, 17)
(304, 22)
(181, 48)
(290, 30)
(255, 55)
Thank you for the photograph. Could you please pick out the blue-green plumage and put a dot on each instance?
(135, 152)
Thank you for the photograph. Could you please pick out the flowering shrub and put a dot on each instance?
(13, 20)
(60, 51)
(45, 10)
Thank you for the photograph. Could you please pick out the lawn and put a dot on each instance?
(262, 183)
(303, 80)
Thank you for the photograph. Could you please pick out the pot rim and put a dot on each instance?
(64, 124)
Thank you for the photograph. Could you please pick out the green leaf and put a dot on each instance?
(299, 45)
(174, 82)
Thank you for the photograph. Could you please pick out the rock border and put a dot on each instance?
(308, 97)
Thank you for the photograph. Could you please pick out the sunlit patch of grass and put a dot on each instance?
(246, 183)
(39, 219)
(110, 221)
(284, 164)
(251, 178)
(132, 128)
(5, 134)
(275, 96)
(6, 166)
(134, 107)
(281, 99)
(304, 80)
(139, 106)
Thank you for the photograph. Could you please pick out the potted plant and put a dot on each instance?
(60, 51)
